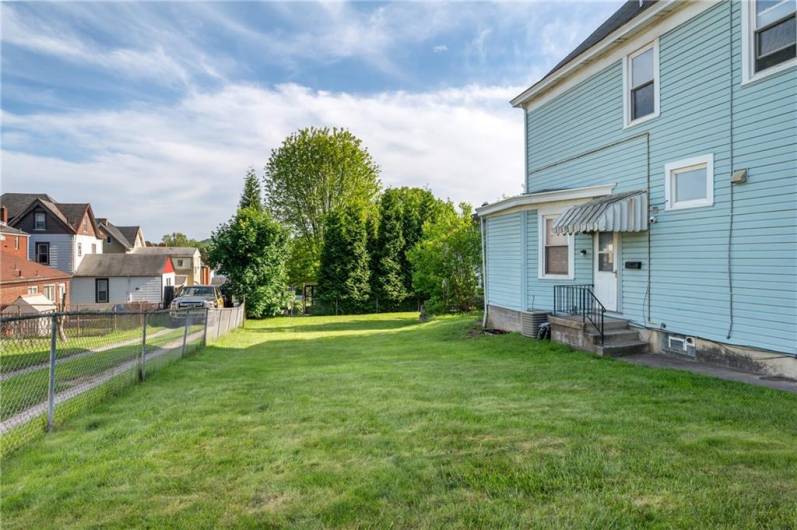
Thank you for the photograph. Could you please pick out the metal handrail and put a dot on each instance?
(580, 300)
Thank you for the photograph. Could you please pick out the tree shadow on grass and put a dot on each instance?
(358, 325)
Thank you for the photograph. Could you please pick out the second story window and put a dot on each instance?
(769, 37)
(39, 221)
(43, 253)
(79, 249)
(641, 78)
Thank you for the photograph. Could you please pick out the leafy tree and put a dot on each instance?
(251, 196)
(176, 239)
(302, 268)
(314, 172)
(344, 273)
(388, 260)
(251, 250)
(446, 261)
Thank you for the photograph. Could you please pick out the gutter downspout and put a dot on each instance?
(484, 272)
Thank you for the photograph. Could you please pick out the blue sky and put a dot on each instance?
(153, 111)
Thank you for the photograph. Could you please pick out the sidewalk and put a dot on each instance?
(696, 367)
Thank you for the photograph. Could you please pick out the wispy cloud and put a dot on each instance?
(180, 167)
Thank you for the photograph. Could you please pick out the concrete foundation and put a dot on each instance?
(504, 319)
(747, 359)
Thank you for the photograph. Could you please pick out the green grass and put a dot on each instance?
(27, 389)
(380, 421)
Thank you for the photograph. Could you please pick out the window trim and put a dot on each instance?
(627, 122)
(36, 251)
(669, 169)
(571, 249)
(35, 221)
(749, 75)
(97, 291)
(33, 289)
(79, 249)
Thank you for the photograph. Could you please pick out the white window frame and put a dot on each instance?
(654, 45)
(33, 289)
(749, 75)
(672, 167)
(571, 249)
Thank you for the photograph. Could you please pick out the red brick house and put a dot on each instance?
(22, 277)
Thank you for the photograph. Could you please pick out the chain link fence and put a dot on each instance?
(57, 364)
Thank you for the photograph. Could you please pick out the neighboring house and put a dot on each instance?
(20, 277)
(61, 234)
(107, 279)
(661, 171)
(120, 239)
(187, 262)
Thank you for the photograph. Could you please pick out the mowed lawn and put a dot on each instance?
(381, 421)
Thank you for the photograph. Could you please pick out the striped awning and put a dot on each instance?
(620, 212)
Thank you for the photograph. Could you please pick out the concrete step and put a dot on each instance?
(614, 323)
(622, 348)
(614, 336)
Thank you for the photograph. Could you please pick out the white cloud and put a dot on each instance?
(440, 48)
(180, 168)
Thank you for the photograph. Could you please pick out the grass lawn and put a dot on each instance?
(380, 421)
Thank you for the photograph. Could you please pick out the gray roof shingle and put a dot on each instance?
(108, 265)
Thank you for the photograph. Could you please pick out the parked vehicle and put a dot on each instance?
(198, 296)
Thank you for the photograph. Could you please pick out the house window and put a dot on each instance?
(33, 290)
(79, 249)
(168, 281)
(61, 292)
(49, 292)
(43, 253)
(39, 221)
(16, 242)
(769, 37)
(101, 294)
(179, 263)
(94, 248)
(108, 239)
(556, 251)
(641, 79)
(689, 183)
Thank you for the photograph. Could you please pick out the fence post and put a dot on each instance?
(51, 384)
(205, 330)
(185, 333)
(143, 350)
(218, 323)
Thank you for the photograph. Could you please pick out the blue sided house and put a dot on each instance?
(660, 204)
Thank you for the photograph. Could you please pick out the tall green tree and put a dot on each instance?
(388, 260)
(251, 250)
(446, 261)
(251, 197)
(314, 172)
(344, 273)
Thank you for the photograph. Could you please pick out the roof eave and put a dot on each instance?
(616, 37)
(531, 199)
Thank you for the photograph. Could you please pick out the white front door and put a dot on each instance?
(606, 266)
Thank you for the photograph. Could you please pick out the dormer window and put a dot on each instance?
(769, 37)
(641, 81)
(39, 221)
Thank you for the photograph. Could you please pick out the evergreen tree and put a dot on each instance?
(344, 272)
(252, 251)
(389, 273)
(251, 196)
